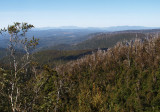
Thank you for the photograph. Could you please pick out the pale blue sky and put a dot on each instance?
(83, 13)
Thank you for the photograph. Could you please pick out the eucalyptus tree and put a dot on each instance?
(19, 48)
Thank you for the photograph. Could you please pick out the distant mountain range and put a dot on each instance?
(67, 37)
(114, 28)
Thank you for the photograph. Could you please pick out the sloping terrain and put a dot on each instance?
(100, 40)
(123, 78)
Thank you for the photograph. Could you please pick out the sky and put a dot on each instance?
(82, 13)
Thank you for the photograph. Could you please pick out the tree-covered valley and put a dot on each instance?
(108, 72)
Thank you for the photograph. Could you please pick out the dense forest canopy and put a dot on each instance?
(125, 76)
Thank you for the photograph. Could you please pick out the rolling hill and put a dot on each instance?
(100, 40)
(120, 77)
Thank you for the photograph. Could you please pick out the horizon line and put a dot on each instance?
(98, 26)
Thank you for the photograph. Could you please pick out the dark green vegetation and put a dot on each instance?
(54, 57)
(3, 52)
(49, 57)
(123, 78)
(16, 75)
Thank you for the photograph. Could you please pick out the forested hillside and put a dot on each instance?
(79, 56)
(123, 78)
(49, 57)
(108, 40)
(101, 40)
(63, 53)
(55, 57)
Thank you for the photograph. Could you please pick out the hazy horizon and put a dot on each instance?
(97, 26)
(81, 13)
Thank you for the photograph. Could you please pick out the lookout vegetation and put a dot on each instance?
(125, 78)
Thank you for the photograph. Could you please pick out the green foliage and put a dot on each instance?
(55, 57)
(15, 82)
(124, 78)
(121, 79)
(4, 99)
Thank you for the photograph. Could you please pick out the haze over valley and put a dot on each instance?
(79, 56)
